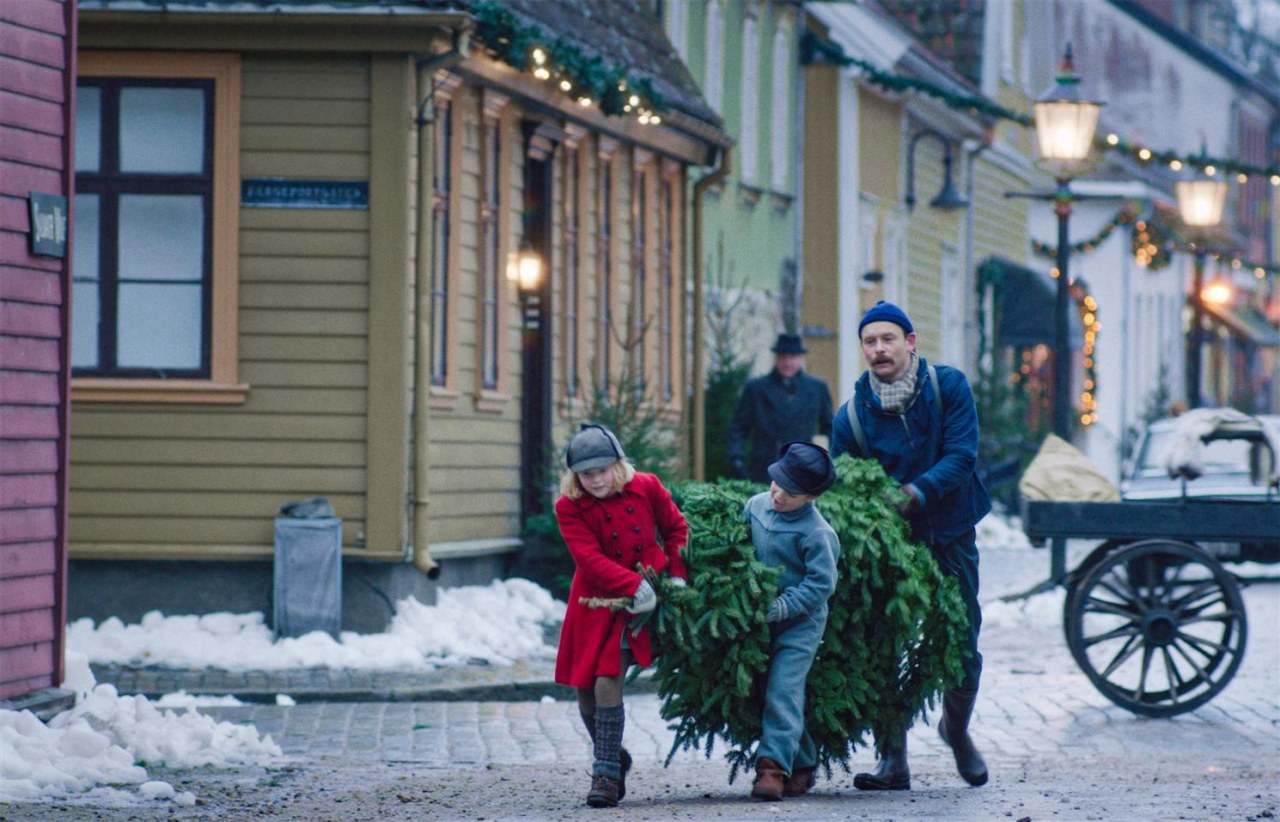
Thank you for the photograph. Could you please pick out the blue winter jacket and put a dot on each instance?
(939, 459)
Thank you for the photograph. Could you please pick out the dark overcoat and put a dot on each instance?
(773, 412)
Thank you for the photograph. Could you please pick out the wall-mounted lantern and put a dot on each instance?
(949, 197)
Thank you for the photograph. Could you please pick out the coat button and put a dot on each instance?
(615, 535)
(635, 528)
(608, 517)
(631, 509)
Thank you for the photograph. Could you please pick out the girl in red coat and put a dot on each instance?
(612, 518)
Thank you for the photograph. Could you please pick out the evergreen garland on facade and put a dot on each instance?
(893, 641)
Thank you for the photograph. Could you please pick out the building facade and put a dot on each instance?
(37, 90)
(310, 223)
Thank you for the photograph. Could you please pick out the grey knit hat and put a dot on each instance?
(594, 446)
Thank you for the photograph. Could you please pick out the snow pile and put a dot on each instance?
(1044, 610)
(497, 623)
(100, 740)
(996, 531)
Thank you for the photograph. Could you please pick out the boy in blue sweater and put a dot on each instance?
(788, 532)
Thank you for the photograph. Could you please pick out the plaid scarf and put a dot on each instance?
(894, 396)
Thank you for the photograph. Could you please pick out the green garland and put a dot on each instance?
(1125, 216)
(579, 74)
(814, 49)
(894, 637)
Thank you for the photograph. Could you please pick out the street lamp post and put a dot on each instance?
(1200, 203)
(1065, 123)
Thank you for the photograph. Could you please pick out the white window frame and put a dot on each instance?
(678, 26)
(713, 56)
(748, 139)
(781, 108)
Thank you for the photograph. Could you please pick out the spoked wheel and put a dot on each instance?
(1159, 627)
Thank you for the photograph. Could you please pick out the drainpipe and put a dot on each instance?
(700, 187)
(427, 68)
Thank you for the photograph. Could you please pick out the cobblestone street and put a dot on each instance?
(1056, 749)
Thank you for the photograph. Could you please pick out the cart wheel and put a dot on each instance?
(1159, 627)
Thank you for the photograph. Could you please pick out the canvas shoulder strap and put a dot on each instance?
(859, 436)
(937, 392)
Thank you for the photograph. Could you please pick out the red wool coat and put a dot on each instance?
(607, 537)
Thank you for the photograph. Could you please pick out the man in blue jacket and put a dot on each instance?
(920, 422)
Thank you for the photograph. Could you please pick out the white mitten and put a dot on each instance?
(644, 600)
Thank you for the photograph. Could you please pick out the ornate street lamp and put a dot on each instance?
(1065, 122)
(1201, 203)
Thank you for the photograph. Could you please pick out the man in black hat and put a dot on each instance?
(783, 406)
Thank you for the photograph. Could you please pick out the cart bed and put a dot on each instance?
(1185, 519)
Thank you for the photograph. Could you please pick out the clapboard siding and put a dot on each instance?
(25, 593)
(31, 286)
(34, 100)
(25, 422)
(28, 490)
(106, 451)
(156, 477)
(28, 456)
(28, 388)
(25, 627)
(28, 354)
(24, 146)
(215, 504)
(37, 115)
(36, 15)
(18, 559)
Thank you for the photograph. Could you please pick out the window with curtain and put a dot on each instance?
(491, 269)
(713, 73)
(748, 140)
(604, 272)
(639, 303)
(572, 292)
(440, 231)
(780, 136)
(667, 289)
(142, 287)
(678, 26)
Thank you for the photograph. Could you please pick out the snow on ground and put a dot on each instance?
(107, 740)
(498, 623)
(103, 740)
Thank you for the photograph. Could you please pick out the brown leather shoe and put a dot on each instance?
(799, 783)
(769, 781)
(604, 792)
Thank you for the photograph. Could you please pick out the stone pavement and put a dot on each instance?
(489, 742)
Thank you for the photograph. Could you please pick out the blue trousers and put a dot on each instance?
(793, 644)
(959, 558)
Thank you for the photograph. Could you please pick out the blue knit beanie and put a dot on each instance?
(887, 312)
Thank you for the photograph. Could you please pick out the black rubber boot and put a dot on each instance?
(957, 708)
(891, 773)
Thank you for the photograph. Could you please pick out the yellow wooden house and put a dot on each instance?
(367, 251)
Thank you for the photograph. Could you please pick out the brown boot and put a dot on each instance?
(604, 792)
(800, 781)
(624, 762)
(769, 781)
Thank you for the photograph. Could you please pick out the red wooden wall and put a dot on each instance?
(37, 97)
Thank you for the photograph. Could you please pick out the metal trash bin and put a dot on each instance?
(307, 590)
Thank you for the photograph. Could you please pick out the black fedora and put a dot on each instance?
(789, 344)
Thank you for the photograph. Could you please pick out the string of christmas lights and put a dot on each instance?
(558, 60)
